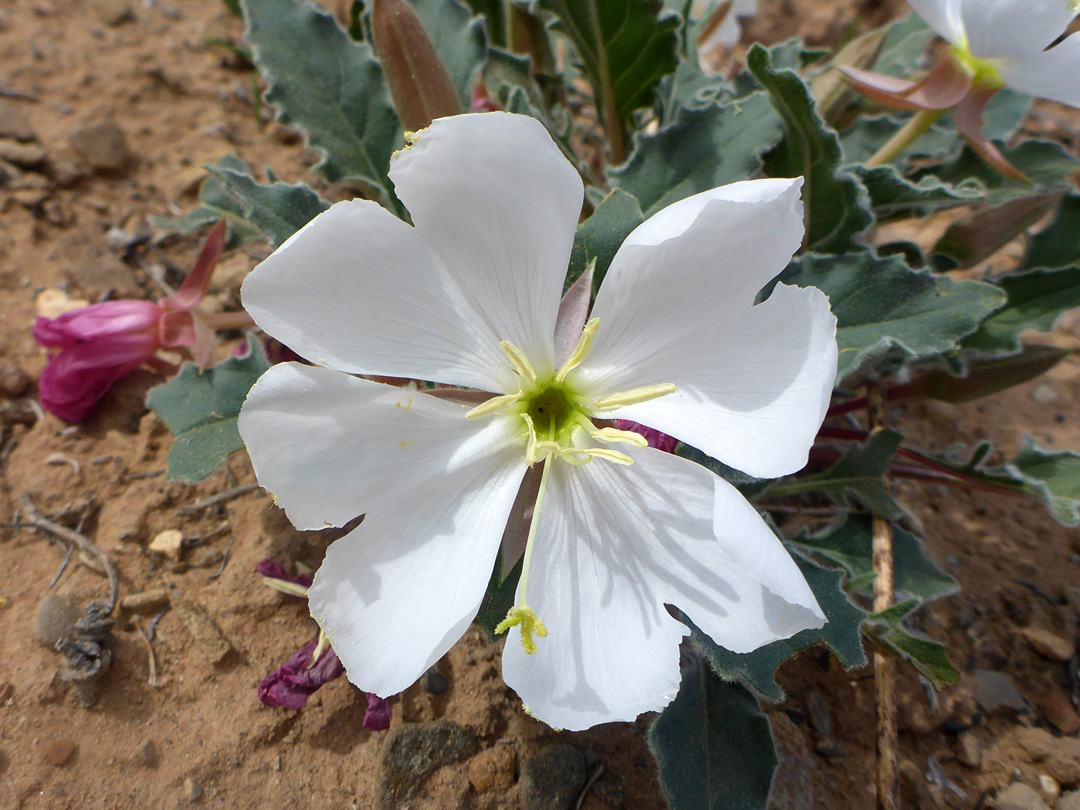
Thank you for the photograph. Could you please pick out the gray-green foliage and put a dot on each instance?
(327, 85)
(713, 745)
(201, 410)
(883, 306)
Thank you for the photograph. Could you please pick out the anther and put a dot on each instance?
(633, 397)
(493, 404)
(531, 448)
(518, 360)
(320, 648)
(588, 334)
(614, 436)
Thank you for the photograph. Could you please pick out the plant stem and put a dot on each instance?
(904, 137)
(220, 321)
(884, 671)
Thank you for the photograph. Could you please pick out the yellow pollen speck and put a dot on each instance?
(526, 619)
(405, 445)
(407, 404)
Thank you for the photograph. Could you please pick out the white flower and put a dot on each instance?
(469, 297)
(1007, 42)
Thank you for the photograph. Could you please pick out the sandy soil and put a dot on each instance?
(178, 720)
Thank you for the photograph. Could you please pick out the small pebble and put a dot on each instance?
(1044, 394)
(1059, 711)
(1049, 787)
(1047, 644)
(146, 602)
(435, 683)
(102, 146)
(13, 380)
(970, 749)
(169, 542)
(995, 691)
(59, 752)
(1018, 796)
(553, 778)
(148, 754)
(53, 619)
(193, 790)
(13, 124)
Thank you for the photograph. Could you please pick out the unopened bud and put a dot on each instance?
(418, 81)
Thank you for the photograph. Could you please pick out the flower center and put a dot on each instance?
(554, 418)
(982, 71)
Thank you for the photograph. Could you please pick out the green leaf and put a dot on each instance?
(985, 376)
(700, 150)
(840, 634)
(903, 47)
(459, 39)
(884, 306)
(850, 545)
(215, 204)
(625, 48)
(600, 236)
(858, 474)
(1035, 300)
(687, 89)
(1046, 164)
(928, 657)
(494, 14)
(892, 195)
(1052, 476)
(328, 86)
(279, 209)
(837, 205)
(1057, 245)
(201, 409)
(713, 745)
(498, 599)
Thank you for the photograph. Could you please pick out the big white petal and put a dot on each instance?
(493, 196)
(752, 382)
(1052, 74)
(1013, 28)
(614, 545)
(357, 290)
(331, 446)
(941, 15)
(397, 592)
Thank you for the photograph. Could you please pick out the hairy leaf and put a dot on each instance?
(279, 209)
(850, 545)
(1035, 300)
(858, 474)
(700, 150)
(1054, 476)
(928, 657)
(459, 40)
(713, 745)
(882, 305)
(1057, 245)
(201, 409)
(625, 48)
(328, 86)
(215, 204)
(892, 195)
(600, 236)
(979, 235)
(840, 634)
(837, 205)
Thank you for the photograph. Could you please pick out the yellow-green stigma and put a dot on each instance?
(982, 71)
(530, 625)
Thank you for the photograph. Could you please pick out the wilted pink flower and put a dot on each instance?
(102, 343)
(661, 441)
(275, 570)
(293, 683)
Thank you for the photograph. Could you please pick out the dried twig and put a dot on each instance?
(85, 648)
(214, 500)
(152, 680)
(224, 560)
(884, 670)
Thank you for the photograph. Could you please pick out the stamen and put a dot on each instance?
(633, 397)
(588, 334)
(519, 361)
(493, 404)
(521, 614)
(320, 648)
(613, 435)
(531, 448)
